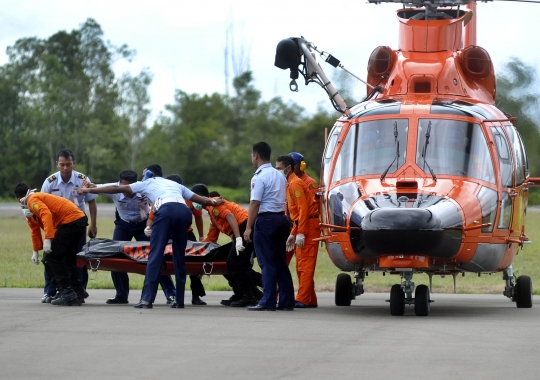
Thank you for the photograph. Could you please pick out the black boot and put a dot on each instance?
(247, 300)
(67, 295)
(235, 297)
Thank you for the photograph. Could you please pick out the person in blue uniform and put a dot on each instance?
(63, 183)
(270, 227)
(172, 219)
(131, 215)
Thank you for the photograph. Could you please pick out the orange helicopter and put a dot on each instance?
(425, 175)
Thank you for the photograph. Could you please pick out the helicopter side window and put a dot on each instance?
(505, 160)
(343, 168)
(506, 211)
(521, 165)
(381, 145)
(330, 148)
(489, 200)
(454, 147)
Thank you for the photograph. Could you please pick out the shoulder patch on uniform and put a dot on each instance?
(35, 207)
(315, 185)
(297, 193)
(215, 211)
(52, 178)
(81, 176)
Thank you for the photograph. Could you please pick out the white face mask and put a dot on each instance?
(197, 206)
(282, 171)
(27, 213)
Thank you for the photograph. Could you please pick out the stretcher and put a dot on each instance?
(131, 257)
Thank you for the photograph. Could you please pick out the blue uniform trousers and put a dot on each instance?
(172, 221)
(50, 288)
(270, 234)
(124, 231)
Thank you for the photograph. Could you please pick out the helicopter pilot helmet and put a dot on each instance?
(298, 159)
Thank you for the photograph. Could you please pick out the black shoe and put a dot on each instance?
(143, 305)
(66, 296)
(245, 301)
(116, 301)
(197, 301)
(77, 302)
(299, 305)
(175, 305)
(46, 298)
(170, 300)
(233, 298)
(259, 308)
(286, 308)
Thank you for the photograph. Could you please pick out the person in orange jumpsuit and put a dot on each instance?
(64, 225)
(305, 217)
(231, 220)
(300, 171)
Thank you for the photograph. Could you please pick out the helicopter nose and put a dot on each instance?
(401, 231)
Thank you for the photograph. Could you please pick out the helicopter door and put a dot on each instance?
(521, 189)
(506, 169)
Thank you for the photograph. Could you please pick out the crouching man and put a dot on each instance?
(64, 225)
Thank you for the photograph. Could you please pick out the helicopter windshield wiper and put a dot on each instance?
(426, 143)
(396, 157)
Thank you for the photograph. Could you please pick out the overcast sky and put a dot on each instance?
(182, 42)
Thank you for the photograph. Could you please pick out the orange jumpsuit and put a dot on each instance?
(303, 211)
(218, 218)
(50, 211)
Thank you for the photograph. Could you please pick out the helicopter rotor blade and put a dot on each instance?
(442, 3)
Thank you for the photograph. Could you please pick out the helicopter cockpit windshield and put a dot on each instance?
(454, 148)
(371, 146)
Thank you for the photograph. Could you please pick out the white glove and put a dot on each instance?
(300, 240)
(47, 246)
(148, 231)
(239, 245)
(35, 257)
(289, 246)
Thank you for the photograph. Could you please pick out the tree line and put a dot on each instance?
(61, 92)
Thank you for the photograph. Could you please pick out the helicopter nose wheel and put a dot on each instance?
(397, 300)
(421, 300)
(401, 294)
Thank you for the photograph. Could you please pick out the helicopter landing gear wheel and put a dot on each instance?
(523, 292)
(397, 300)
(343, 290)
(421, 300)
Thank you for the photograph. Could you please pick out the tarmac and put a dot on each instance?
(465, 336)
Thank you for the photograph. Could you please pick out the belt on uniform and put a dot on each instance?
(161, 201)
(137, 222)
(271, 213)
(311, 217)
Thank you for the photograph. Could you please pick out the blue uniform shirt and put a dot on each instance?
(133, 210)
(160, 188)
(55, 185)
(268, 187)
